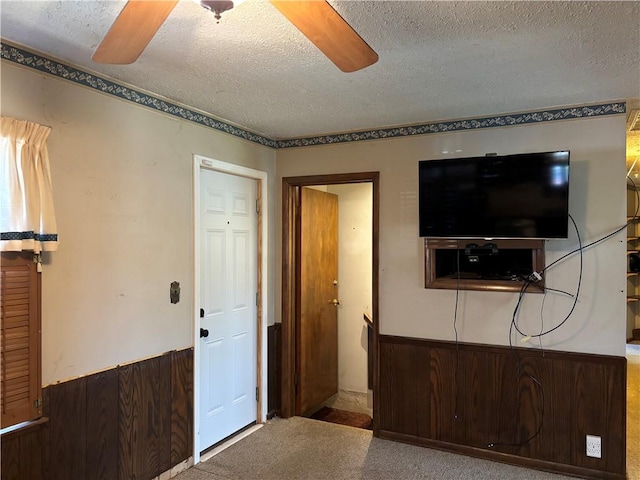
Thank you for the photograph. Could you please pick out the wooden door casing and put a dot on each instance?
(290, 212)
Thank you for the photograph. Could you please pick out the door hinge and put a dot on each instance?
(295, 379)
(37, 403)
(258, 207)
(257, 394)
(257, 299)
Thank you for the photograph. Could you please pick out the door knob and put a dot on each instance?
(204, 333)
(335, 301)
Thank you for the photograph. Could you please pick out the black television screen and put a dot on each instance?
(509, 196)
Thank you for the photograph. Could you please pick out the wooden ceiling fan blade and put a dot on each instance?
(132, 31)
(328, 31)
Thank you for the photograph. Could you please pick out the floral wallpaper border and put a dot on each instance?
(42, 64)
(52, 67)
(464, 124)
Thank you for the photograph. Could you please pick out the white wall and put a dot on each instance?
(122, 184)
(597, 202)
(355, 207)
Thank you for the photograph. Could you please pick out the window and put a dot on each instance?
(27, 227)
(20, 377)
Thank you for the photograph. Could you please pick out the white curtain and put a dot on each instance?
(27, 218)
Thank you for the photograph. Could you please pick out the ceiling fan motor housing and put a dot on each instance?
(217, 6)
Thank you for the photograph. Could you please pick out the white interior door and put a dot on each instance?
(228, 323)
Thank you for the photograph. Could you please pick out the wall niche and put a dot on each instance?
(495, 265)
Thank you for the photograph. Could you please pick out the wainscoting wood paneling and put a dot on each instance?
(102, 439)
(490, 401)
(181, 406)
(145, 418)
(440, 396)
(18, 461)
(399, 390)
(274, 387)
(131, 422)
(68, 429)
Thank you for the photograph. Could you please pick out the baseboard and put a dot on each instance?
(176, 470)
(502, 457)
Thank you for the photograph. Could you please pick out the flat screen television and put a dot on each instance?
(508, 196)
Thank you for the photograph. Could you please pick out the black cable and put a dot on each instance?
(535, 381)
(544, 298)
(575, 298)
(549, 289)
(523, 289)
(580, 249)
(526, 284)
(538, 430)
(514, 325)
(618, 230)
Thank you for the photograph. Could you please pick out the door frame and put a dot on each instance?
(200, 162)
(291, 273)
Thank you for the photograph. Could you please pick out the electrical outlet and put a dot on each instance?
(594, 446)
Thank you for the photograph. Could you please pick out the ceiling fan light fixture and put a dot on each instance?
(219, 6)
(139, 21)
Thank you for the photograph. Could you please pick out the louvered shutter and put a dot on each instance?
(20, 388)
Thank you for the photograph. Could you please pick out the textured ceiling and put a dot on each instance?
(437, 60)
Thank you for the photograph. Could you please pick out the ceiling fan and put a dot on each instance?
(139, 21)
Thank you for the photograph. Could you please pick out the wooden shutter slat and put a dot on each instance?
(19, 389)
(16, 369)
(15, 356)
(21, 271)
(15, 338)
(15, 310)
(19, 293)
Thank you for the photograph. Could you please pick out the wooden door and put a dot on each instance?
(228, 324)
(318, 318)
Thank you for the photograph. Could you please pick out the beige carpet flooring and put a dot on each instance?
(305, 449)
(633, 412)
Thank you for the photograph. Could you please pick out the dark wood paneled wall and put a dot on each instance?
(489, 401)
(18, 458)
(274, 387)
(131, 422)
